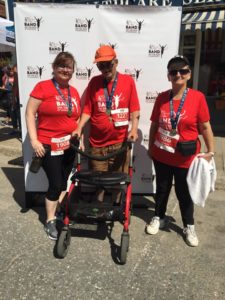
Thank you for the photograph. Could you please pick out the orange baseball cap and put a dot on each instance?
(104, 53)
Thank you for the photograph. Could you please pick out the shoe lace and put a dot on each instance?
(190, 230)
(154, 221)
(51, 225)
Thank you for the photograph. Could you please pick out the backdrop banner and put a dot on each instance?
(145, 38)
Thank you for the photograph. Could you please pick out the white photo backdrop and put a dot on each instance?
(145, 38)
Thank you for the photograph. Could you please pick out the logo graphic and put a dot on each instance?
(163, 47)
(55, 48)
(139, 25)
(117, 100)
(150, 97)
(113, 45)
(146, 177)
(35, 72)
(134, 26)
(134, 73)
(32, 23)
(63, 46)
(156, 50)
(83, 73)
(83, 24)
(146, 139)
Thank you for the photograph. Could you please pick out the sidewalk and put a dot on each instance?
(158, 267)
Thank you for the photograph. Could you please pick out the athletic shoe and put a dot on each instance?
(190, 236)
(60, 215)
(50, 229)
(155, 224)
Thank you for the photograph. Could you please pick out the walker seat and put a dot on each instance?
(100, 178)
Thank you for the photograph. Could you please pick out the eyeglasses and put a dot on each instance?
(105, 65)
(63, 67)
(181, 71)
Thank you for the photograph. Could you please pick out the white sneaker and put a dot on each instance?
(191, 237)
(155, 224)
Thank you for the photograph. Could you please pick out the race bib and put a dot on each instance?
(166, 141)
(58, 145)
(120, 116)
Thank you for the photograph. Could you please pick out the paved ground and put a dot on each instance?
(158, 267)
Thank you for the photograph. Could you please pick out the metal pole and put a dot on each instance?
(198, 44)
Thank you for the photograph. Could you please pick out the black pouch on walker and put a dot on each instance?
(187, 148)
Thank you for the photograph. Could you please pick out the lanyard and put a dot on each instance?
(108, 97)
(172, 119)
(68, 101)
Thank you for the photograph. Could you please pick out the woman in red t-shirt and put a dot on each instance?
(57, 105)
(177, 118)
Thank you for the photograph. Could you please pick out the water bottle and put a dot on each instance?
(36, 164)
(37, 161)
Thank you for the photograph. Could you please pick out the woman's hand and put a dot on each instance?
(38, 148)
(207, 156)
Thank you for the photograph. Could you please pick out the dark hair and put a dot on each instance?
(178, 61)
(63, 58)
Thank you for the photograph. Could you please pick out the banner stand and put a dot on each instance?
(142, 39)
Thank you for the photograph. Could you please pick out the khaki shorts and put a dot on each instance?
(119, 163)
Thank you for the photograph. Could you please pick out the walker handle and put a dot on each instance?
(74, 144)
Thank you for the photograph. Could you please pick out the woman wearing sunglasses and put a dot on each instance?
(178, 116)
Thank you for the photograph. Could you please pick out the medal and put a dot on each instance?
(173, 132)
(108, 97)
(69, 113)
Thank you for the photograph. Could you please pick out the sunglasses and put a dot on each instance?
(105, 65)
(181, 71)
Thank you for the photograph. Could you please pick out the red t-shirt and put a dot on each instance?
(103, 131)
(53, 121)
(194, 111)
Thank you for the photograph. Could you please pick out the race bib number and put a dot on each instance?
(166, 141)
(120, 116)
(58, 145)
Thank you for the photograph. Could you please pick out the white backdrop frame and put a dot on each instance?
(145, 38)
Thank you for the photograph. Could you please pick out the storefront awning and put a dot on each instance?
(203, 20)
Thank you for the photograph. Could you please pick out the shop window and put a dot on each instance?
(212, 63)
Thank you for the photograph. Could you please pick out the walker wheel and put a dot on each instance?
(125, 238)
(63, 243)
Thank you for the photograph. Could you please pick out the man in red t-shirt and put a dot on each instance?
(111, 103)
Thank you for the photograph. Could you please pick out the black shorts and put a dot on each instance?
(58, 169)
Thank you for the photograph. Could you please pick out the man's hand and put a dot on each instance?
(132, 135)
(76, 132)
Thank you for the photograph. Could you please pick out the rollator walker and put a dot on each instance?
(80, 204)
